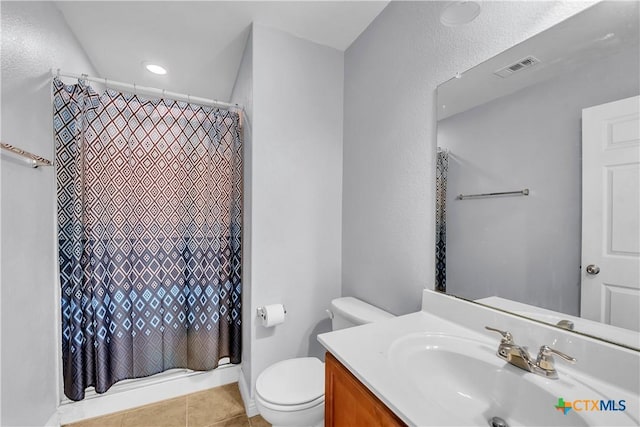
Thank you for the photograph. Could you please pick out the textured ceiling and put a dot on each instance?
(200, 43)
(605, 29)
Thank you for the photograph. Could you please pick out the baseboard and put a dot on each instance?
(131, 397)
(245, 391)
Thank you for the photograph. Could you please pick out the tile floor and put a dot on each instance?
(216, 407)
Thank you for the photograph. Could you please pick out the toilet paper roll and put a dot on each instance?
(273, 314)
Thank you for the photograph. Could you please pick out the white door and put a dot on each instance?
(611, 213)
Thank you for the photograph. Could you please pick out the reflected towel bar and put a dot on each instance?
(34, 160)
(524, 192)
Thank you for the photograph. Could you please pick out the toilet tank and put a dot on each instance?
(348, 311)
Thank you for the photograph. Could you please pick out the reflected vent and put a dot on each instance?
(525, 63)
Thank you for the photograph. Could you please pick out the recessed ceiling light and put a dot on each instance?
(154, 68)
(459, 13)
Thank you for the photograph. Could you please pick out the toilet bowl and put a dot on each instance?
(290, 393)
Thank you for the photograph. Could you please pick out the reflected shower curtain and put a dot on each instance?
(149, 227)
(442, 168)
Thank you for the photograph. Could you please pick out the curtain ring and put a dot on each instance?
(135, 89)
(163, 94)
(189, 98)
(58, 73)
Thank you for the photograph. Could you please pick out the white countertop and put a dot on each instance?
(364, 351)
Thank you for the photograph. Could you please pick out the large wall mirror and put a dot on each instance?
(538, 177)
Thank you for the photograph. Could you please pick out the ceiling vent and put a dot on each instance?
(522, 64)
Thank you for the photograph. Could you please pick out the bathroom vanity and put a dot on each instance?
(349, 403)
(439, 367)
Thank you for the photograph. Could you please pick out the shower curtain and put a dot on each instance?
(442, 167)
(149, 229)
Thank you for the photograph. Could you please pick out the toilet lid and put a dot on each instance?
(292, 381)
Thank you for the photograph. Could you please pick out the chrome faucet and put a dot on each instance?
(519, 356)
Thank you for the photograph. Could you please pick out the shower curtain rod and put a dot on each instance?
(154, 91)
(33, 159)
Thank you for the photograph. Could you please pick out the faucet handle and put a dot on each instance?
(545, 357)
(507, 338)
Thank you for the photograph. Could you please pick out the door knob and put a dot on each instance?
(593, 269)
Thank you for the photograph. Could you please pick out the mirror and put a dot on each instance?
(513, 125)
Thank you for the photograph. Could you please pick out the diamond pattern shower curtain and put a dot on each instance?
(149, 227)
(442, 169)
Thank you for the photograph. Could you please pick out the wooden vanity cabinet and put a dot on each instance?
(348, 403)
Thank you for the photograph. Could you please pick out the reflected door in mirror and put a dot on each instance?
(610, 221)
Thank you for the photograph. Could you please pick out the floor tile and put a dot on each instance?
(218, 407)
(169, 413)
(211, 406)
(114, 420)
(258, 421)
(241, 421)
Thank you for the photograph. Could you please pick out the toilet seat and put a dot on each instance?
(292, 384)
(290, 408)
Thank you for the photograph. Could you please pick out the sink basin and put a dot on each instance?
(466, 378)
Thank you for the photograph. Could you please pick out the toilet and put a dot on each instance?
(291, 392)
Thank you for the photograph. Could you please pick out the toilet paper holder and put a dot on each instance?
(260, 311)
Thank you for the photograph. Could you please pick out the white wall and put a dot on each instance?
(35, 38)
(295, 192)
(391, 74)
(525, 249)
(0, 227)
(242, 94)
